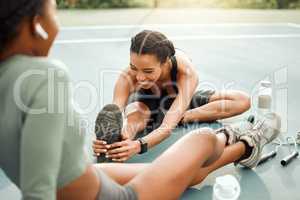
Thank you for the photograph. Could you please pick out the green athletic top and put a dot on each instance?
(41, 145)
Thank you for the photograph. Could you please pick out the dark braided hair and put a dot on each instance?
(154, 43)
(12, 13)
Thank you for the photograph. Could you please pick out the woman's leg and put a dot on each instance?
(179, 166)
(163, 173)
(123, 173)
(136, 119)
(231, 154)
(221, 105)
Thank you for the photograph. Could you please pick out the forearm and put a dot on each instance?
(120, 103)
(157, 136)
(120, 97)
(171, 119)
(122, 90)
(176, 111)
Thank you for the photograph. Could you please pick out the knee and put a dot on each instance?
(243, 100)
(246, 102)
(206, 135)
(138, 108)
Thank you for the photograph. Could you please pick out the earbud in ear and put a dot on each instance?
(41, 32)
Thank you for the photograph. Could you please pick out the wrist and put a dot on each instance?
(137, 146)
(143, 145)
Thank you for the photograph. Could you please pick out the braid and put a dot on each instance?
(169, 44)
(153, 42)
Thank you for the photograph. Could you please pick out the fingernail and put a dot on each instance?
(104, 142)
(106, 156)
(98, 154)
(107, 146)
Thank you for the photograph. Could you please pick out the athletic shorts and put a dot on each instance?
(110, 190)
(159, 105)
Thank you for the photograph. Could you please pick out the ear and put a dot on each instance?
(37, 30)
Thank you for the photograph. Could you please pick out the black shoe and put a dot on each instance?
(108, 127)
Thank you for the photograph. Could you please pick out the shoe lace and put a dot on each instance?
(258, 129)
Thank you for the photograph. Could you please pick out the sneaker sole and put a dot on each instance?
(108, 127)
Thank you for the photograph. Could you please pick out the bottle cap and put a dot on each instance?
(228, 187)
(265, 83)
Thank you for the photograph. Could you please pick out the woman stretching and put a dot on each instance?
(158, 91)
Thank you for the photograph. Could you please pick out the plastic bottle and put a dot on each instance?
(298, 138)
(226, 188)
(264, 97)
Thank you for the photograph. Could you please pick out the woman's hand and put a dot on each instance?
(122, 151)
(100, 146)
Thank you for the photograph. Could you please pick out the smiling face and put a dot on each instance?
(146, 68)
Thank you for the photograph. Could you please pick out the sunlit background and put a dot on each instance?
(179, 3)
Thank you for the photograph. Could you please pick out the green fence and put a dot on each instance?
(279, 4)
(100, 3)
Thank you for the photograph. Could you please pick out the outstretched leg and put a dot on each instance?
(179, 167)
(193, 157)
(221, 105)
(123, 173)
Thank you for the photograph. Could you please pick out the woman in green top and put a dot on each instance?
(41, 146)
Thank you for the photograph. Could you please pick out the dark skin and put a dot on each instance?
(32, 43)
(87, 185)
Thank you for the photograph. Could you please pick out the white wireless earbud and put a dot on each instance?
(41, 32)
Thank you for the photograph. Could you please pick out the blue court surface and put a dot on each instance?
(227, 56)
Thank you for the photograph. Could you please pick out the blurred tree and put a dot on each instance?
(284, 3)
(155, 3)
(280, 4)
(72, 3)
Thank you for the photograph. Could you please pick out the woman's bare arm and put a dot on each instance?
(187, 81)
(123, 88)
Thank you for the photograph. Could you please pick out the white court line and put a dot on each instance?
(294, 25)
(104, 27)
(184, 38)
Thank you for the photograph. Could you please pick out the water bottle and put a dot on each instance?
(298, 138)
(226, 188)
(264, 97)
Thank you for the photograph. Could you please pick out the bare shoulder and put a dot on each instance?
(185, 65)
(128, 75)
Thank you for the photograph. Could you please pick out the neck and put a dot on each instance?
(167, 66)
(9, 52)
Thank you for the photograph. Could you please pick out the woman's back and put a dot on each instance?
(41, 147)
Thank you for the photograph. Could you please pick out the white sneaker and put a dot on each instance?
(235, 130)
(263, 132)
